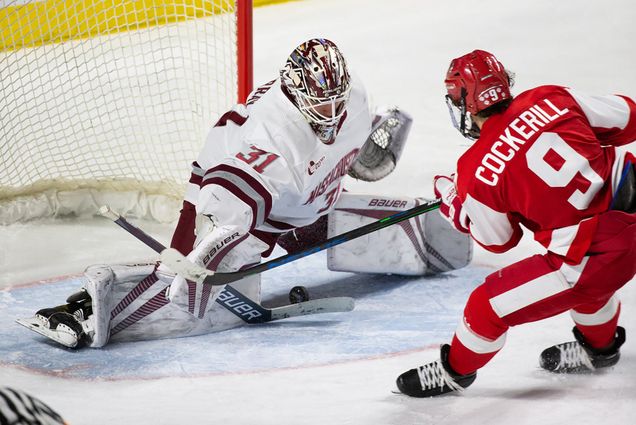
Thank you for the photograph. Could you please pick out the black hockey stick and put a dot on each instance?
(181, 265)
(236, 302)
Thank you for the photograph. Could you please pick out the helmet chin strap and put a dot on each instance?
(474, 132)
(471, 133)
(464, 119)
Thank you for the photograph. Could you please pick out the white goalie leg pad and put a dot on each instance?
(422, 245)
(198, 299)
(107, 286)
(133, 303)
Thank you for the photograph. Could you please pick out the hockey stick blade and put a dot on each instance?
(319, 306)
(253, 313)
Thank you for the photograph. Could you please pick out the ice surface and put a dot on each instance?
(385, 321)
(340, 368)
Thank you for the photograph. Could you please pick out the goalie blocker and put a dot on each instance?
(425, 244)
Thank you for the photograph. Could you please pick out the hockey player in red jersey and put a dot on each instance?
(559, 163)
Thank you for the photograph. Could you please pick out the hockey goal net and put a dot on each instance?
(108, 102)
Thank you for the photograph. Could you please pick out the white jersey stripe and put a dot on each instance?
(602, 316)
(529, 293)
(573, 273)
(256, 194)
(603, 111)
(197, 170)
(477, 343)
(491, 227)
(192, 193)
(562, 239)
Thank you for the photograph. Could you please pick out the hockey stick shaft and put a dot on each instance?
(144, 237)
(180, 264)
(177, 262)
(222, 278)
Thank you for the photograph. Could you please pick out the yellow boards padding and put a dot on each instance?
(30, 23)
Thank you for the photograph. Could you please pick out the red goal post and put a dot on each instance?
(105, 102)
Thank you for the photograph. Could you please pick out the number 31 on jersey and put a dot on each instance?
(257, 158)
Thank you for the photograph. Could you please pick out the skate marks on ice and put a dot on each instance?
(393, 314)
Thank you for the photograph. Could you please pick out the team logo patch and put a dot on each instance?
(313, 166)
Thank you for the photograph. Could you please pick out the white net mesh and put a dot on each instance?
(108, 97)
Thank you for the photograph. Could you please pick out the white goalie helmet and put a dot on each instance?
(316, 78)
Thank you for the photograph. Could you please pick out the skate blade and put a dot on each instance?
(37, 326)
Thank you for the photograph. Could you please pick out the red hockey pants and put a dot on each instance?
(543, 286)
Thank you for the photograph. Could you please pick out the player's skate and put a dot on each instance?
(65, 324)
(579, 357)
(434, 379)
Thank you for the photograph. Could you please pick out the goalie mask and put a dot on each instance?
(317, 80)
(474, 82)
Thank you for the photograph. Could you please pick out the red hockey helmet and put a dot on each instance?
(478, 80)
(474, 82)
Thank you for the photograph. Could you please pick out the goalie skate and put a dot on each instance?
(66, 324)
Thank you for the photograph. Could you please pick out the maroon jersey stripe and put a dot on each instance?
(152, 305)
(236, 191)
(232, 116)
(134, 294)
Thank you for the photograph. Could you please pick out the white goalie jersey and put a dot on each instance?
(263, 168)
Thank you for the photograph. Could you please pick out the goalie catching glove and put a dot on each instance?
(383, 148)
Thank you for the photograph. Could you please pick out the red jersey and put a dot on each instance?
(550, 162)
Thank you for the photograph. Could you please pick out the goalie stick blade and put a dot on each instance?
(252, 312)
(61, 337)
(319, 306)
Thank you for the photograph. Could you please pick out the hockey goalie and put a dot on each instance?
(270, 170)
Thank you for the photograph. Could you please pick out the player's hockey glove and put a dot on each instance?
(451, 207)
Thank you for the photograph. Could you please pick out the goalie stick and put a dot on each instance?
(178, 263)
(253, 312)
(236, 302)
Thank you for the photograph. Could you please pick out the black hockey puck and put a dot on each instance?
(298, 294)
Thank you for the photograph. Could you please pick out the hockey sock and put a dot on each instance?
(598, 335)
(480, 335)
